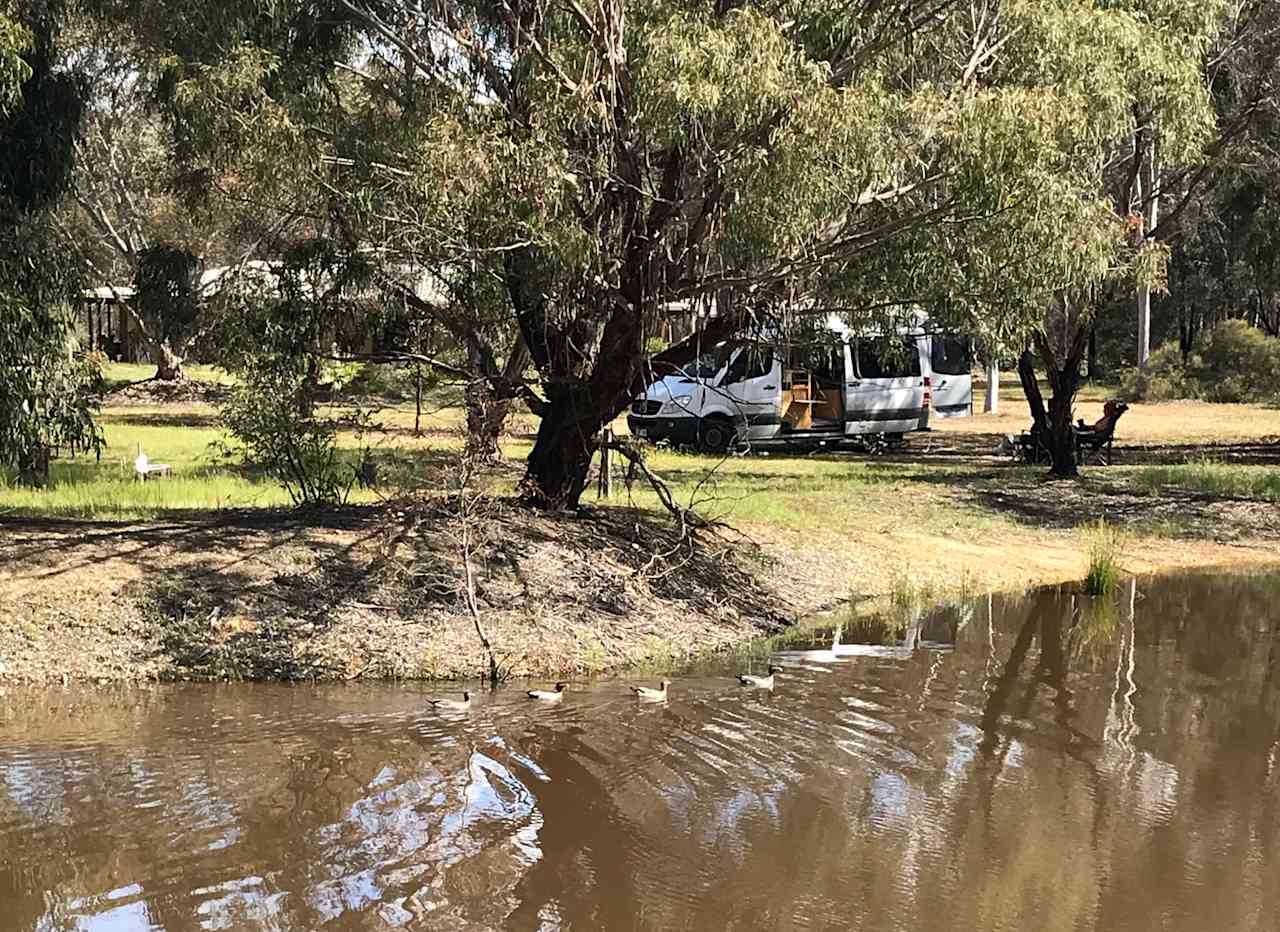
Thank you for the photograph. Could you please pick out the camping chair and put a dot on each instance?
(1090, 440)
(1032, 446)
(144, 469)
(1096, 439)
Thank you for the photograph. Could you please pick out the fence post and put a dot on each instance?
(605, 488)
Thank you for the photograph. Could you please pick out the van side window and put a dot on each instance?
(752, 363)
(875, 362)
(952, 355)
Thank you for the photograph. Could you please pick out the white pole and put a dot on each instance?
(992, 404)
(1148, 186)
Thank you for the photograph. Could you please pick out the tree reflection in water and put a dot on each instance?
(1044, 761)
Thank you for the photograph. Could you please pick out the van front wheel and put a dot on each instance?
(716, 435)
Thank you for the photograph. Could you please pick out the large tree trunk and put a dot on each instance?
(1031, 388)
(590, 369)
(168, 363)
(1064, 379)
(556, 472)
(1062, 440)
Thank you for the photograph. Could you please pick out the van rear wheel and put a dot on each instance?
(716, 435)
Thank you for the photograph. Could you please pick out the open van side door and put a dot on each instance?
(951, 359)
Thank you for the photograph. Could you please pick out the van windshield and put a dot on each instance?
(878, 359)
(952, 355)
(704, 367)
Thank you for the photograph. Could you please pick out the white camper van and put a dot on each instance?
(838, 388)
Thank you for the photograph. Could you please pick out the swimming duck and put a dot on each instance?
(547, 695)
(651, 694)
(761, 682)
(453, 705)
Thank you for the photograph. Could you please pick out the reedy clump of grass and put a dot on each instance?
(1105, 546)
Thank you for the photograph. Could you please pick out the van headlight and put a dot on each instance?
(676, 404)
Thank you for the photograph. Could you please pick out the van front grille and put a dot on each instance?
(646, 408)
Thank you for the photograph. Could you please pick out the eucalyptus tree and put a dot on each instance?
(577, 170)
(46, 390)
(123, 221)
(1219, 214)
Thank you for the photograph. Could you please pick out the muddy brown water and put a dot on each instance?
(1034, 763)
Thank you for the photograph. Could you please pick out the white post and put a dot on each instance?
(1148, 179)
(992, 404)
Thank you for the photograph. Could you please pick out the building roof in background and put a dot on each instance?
(108, 293)
(428, 286)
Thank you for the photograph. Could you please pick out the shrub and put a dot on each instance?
(1233, 362)
(1163, 379)
(1236, 362)
(272, 417)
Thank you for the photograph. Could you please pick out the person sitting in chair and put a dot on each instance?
(1111, 412)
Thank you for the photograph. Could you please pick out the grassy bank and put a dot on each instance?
(205, 574)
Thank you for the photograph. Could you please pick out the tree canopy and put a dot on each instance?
(46, 391)
(573, 172)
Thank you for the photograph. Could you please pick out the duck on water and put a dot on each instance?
(760, 682)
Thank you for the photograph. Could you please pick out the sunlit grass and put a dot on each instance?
(186, 438)
(800, 493)
(1235, 481)
(834, 494)
(122, 373)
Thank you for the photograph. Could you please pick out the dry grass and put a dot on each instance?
(1167, 423)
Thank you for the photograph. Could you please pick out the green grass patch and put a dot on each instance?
(1105, 546)
(1253, 482)
(186, 438)
(118, 374)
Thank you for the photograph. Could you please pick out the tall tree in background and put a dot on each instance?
(1221, 216)
(585, 168)
(123, 209)
(46, 391)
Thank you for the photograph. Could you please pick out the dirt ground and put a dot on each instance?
(377, 592)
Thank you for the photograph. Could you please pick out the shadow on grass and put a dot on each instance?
(207, 421)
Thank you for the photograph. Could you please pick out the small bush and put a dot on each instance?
(377, 380)
(1236, 362)
(1233, 362)
(1164, 378)
(271, 414)
(1105, 545)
